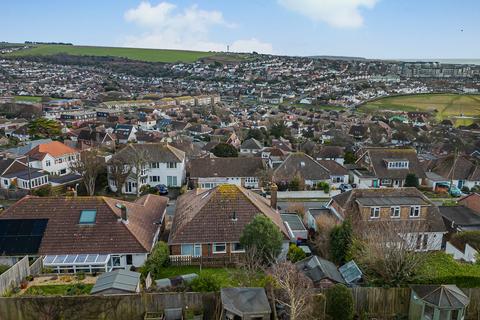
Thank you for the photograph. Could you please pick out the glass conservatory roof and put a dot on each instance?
(76, 259)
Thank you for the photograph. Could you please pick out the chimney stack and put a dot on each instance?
(273, 195)
(123, 209)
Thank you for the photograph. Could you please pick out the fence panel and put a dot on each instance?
(36, 267)
(13, 276)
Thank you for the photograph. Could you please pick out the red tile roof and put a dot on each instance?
(64, 234)
(55, 149)
(205, 216)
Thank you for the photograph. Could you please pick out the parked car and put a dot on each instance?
(344, 187)
(451, 189)
(162, 189)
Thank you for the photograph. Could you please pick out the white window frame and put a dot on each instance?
(374, 212)
(395, 212)
(214, 247)
(415, 211)
(171, 165)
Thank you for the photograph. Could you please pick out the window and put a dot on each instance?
(220, 247)
(194, 250)
(154, 179)
(129, 259)
(415, 211)
(395, 212)
(374, 212)
(87, 216)
(155, 165)
(116, 261)
(171, 165)
(47, 163)
(5, 181)
(237, 247)
(171, 181)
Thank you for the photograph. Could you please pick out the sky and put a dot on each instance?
(386, 29)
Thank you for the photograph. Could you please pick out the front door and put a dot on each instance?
(396, 183)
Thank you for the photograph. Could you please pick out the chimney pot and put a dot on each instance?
(123, 209)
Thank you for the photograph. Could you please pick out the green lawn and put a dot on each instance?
(28, 99)
(443, 106)
(226, 277)
(59, 290)
(441, 268)
(149, 55)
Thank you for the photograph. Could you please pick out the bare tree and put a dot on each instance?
(119, 170)
(393, 251)
(321, 240)
(88, 165)
(138, 162)
(295, 290)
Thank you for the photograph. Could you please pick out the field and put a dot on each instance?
(148, 55)
(443, 106)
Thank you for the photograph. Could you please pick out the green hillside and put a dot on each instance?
(148, 55)
(443, 106)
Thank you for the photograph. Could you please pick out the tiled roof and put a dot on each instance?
(64, 234)
(225, 167)
(155, 152)
(207, 216)
(302, 164)
(55, 149)
(378, 156)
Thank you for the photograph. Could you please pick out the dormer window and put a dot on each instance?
(397, 164)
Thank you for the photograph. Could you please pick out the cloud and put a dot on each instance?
(167, 26)
(336, 13)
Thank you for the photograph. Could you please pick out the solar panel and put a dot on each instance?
(21, 236)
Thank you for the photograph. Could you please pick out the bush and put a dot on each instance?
(158, 259)
(411, 180)
(295, 254)
(43, 191)
(465, 189)
(341, 241)
(340, 303)
(205, 283)
(29, 278)
(80, 276)
(323, 186)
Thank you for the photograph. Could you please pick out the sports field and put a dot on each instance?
(148, 55)
(443, 106)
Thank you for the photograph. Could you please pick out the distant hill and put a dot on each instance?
(147, 55)
(338, 58)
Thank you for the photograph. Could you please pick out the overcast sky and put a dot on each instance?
(366, 28)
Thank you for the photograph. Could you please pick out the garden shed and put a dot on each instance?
(117, 282)
(245, 304)
(437, 302)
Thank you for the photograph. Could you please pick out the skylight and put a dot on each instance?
(88, 216)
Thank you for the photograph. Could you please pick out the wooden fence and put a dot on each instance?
(16, 273)
(114, 307)
(220, 261)
(14, 194)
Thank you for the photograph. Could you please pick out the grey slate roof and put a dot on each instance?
(252, 144)
(461, 216)
(21, 150)
(122, 280)
(318, 269)
(391, 201)
(443, 297)
(225, 167)
(155, 152)
(302, 164)
(245, 301)
(293, 221)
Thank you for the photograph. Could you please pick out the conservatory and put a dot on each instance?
(88, 263)
(437, 302)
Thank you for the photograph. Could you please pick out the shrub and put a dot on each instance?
(204, 283)
(66, 279)
(411, 180)
(465, 189)
(323, 186)
(29, 278)
(264, 236)
(158, 259)
(43, 191)
(340, 303)
(341, 241)
(295, 254)
(80, 276)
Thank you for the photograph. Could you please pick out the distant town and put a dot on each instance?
(237, 186)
